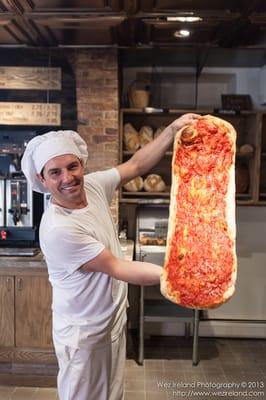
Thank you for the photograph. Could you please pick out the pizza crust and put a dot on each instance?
(166, 289)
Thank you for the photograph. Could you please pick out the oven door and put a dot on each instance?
(152, 254)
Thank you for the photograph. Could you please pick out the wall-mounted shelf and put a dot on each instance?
(250, 168)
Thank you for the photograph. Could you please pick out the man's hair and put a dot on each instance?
(42, 171)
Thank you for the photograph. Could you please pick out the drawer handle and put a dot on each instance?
(20, 284)
(9, 284)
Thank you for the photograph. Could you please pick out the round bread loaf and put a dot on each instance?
(154, 183)
(246, 149)
(145, 135)
(131, 138)
(148, 241)
(135, 185)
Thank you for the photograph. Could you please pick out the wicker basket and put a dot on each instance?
(138, 98)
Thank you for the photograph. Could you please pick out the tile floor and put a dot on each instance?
(228, 369)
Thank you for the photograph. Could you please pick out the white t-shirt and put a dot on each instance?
(89, 308)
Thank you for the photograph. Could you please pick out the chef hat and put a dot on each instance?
(42, 148)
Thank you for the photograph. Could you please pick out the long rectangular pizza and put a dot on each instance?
(200, 264)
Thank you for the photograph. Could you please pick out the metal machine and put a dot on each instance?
(19, 202)
(20, 207)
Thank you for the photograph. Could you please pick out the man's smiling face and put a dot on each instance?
(63, 177)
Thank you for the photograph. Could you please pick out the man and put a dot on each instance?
(84, 259)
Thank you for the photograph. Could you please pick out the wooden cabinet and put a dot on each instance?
(27, 356)
(250, 165)
(7, 314)
(33, 312)
(25, 320)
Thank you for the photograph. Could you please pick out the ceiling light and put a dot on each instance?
(182, 33)
(184, 19)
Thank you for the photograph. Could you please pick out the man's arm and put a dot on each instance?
(144, 159)
(135, 272)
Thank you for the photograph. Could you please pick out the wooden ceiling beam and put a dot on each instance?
(34, 5)
(131, 22)
(16, 6)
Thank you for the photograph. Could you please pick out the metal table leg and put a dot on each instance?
(187, 330)
(195, 356)
(141, 326)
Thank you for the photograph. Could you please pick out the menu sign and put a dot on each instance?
(30, 113)
(39, 78)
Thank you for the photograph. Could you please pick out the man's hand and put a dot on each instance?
(186, 119)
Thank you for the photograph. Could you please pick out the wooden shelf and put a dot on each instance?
(163, 194)
(145, 201)
(243, 195)
(250, 126)
(245, 156)
(131, 153)
(180, 111)
(160, 111)
(170, 153)
(245, 203)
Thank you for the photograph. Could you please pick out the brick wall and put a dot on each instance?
(96, 73)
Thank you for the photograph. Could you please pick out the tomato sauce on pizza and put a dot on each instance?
(200, 265)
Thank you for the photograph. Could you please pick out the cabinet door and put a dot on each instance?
(7, 311)
(33, 297)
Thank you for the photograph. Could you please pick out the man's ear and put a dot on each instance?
(81, 162)
(41, 179)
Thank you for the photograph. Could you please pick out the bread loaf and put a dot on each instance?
(246, 149)
(131, 138)
(135, 185)
(154, 183)
(145, 135)
(148, 241)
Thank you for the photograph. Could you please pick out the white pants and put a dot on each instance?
(94, 374)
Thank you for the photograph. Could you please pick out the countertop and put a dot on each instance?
(37, 265)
